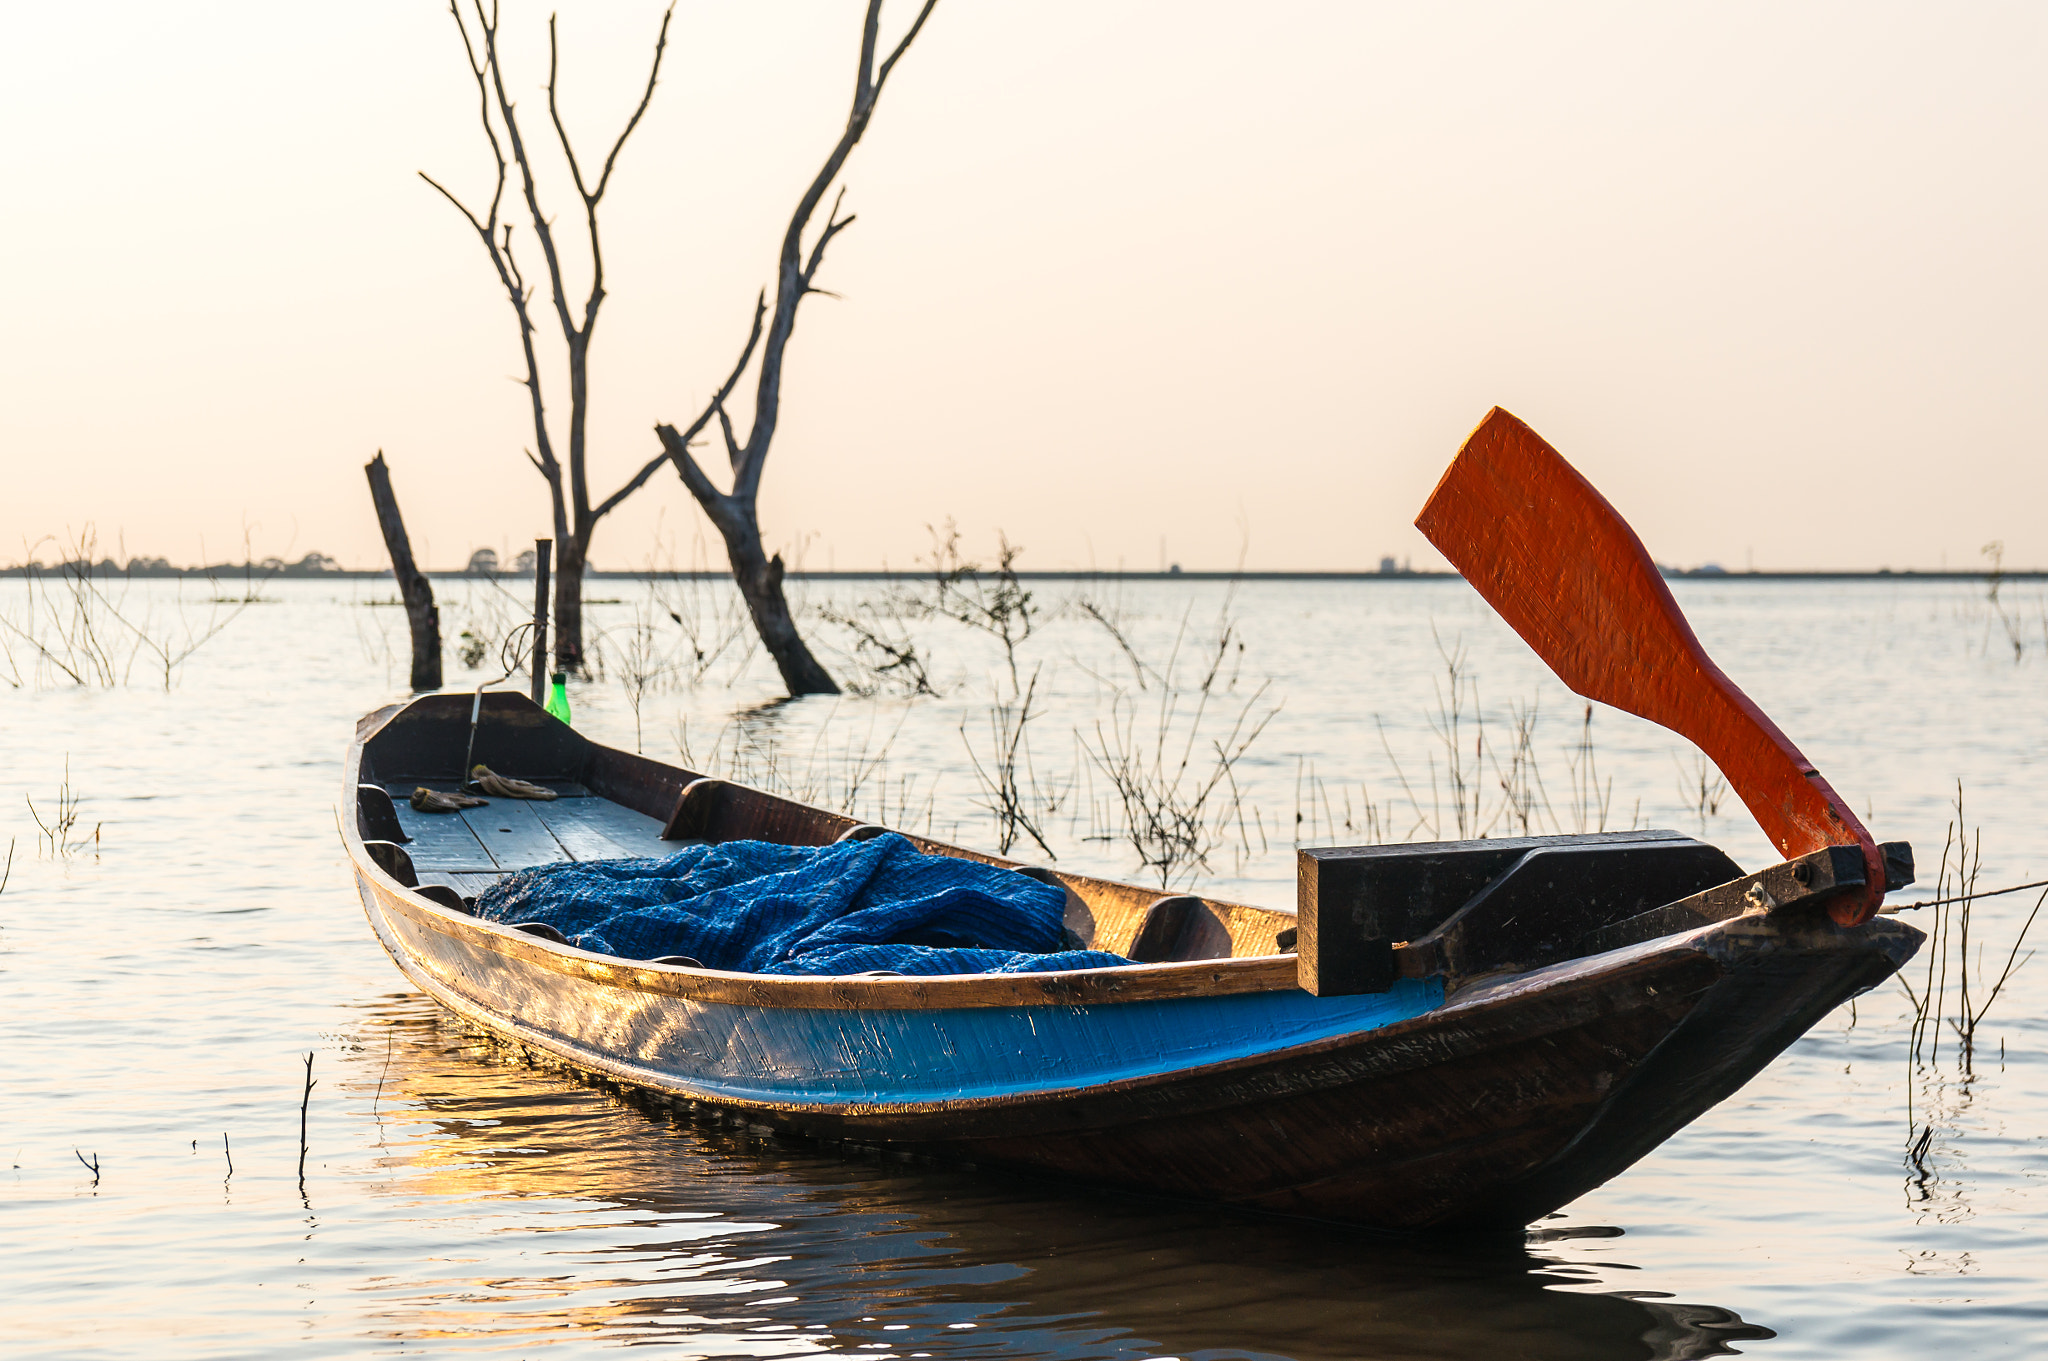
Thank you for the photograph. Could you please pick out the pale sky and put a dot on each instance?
(1129, 279)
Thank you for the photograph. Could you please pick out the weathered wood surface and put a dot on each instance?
(1180, 926)
(421, 615)
(598, 829)
(1557, 562)
(426, 741)
(513, 834)
(635, 782)
(509, 834)
(423, 743)
(441, 841)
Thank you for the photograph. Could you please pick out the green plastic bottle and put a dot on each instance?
(558, 696)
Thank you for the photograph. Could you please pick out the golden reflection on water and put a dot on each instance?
(562, 1213)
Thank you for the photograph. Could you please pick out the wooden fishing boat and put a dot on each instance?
(1458, 1034)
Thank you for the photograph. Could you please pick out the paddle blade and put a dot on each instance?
(1568, 574)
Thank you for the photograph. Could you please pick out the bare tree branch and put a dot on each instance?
(870, 27)
(591, 196)
(611, 161)
(633, 484)
(483, 95)
(574, 519)
(834, 224)
(473, 220)
(543, 226)
(758, 575)
(515, 284)
(681, 443)
(676, 447)
(499, 248)
(902, 47)
(733, 452)
(793, 273)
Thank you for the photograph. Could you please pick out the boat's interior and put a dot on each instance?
(1367, 915)
(610, 804)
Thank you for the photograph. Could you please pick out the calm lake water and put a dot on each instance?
(165, 976)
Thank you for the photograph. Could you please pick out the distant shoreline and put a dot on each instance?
(239, 571)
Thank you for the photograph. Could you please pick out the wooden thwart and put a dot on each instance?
(466, 886)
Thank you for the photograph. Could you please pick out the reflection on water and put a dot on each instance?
(161, 990)
(731, 1244)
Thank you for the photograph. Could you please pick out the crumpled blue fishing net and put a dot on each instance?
(756, 907)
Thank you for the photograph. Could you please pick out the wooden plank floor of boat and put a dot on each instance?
(471, 850)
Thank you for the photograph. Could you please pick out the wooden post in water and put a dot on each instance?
(304, 1101)
(413, 589)
(543, 551)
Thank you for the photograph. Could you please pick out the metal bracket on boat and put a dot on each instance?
(1537, 910)
(1537, 901)
(861, 831)
(1810, 881)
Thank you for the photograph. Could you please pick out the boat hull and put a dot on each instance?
(1401, 1111)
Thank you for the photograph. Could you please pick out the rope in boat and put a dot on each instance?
(476, 705)
(1966, 897)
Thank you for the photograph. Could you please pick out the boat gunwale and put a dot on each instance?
(1392, 1037)
(1134, 982)
(583, 1054)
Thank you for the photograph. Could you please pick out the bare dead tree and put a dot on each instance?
(413, 587)
(575, 518)
(735, 512)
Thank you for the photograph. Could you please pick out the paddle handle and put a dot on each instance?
(1566, 572)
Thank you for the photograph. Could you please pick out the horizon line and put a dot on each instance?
(159, 570)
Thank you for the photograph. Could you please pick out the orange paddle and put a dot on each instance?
(1569, 575)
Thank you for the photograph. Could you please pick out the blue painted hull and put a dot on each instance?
(1399, 1111)
(802, 1058)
